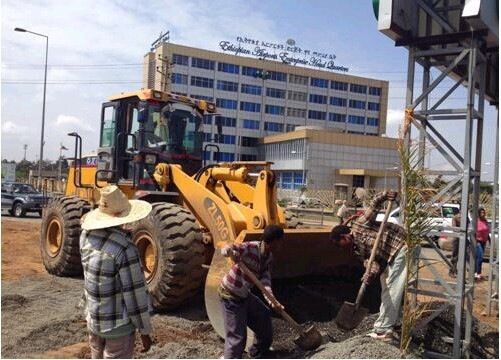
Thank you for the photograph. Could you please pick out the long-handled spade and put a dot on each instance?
(351, 314)
(308, 339)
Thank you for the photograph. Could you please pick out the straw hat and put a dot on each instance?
(115, 209)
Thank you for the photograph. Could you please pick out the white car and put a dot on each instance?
(442, 217)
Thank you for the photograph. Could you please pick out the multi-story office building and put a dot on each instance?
(251, 107)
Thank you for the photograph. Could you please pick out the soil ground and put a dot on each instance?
(42, 316)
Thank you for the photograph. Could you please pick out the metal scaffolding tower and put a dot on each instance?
(440, 38)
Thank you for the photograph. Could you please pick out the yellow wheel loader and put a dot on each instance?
(151, 147)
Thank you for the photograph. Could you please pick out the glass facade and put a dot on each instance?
(281, 101)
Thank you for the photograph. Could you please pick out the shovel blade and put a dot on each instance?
(309, 339)
(349, 317)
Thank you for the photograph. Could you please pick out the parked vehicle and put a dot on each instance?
(19, 199)
(440, 217)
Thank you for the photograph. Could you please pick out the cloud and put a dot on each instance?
(66, 120)
(10, 128)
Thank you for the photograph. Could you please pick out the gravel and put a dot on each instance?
(41, 318)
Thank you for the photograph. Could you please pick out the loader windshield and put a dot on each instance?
(174, 129)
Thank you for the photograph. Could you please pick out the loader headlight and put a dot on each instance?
(150, 159)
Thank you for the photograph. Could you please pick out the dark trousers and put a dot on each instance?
(237, 315)
(479, 257)
(454, 257)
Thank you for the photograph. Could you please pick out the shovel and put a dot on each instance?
(308, 339)
(351, 314)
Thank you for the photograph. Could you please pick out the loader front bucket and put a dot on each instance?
(301, 252)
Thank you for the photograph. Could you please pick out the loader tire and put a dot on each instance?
(60, 233)
(291, 220)
(172, 254)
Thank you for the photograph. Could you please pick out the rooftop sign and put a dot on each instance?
(288, 53)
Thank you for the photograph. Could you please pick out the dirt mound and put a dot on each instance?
(358, 347)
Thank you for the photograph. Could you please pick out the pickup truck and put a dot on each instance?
(19, 198)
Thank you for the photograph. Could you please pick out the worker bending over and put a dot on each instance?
(241, 308)
(389, 262)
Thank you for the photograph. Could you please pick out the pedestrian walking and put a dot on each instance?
(117, 300)
(241, 308)
(482, 237)
(389, 263)
(342, 211)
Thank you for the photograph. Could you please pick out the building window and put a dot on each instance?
(179, 59)
(273, 126)
(226, 139)
(228, 68)
(202, 82)
(207, 119)
(208, 137)
(202, 63)
(202, 97)
(322, 83)
(275, 93)
(250, 124)
(297, 95)
(274, 109)
(248, 157)
(226, 103)
(290, 127)
(295, 112)
(179, 79)
(287, 180)
(206, 155)
(277, 76)
(336, 101)
(358, 181)
(339, 85)
(226, 121)
(298, 79)
(318, 99)
(250, 106)
(373, 106)
(224, 156)
(372, 121)
(337, 117)
(227, 85)
(316, 115)
(361, 89)
(250, 89)
(249, 141)
(249, 71)
(353, 119)
(357, 104)
(298, 179)
(375, 91)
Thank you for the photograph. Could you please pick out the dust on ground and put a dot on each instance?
(41, 316)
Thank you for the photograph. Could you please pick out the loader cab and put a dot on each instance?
(136, 133)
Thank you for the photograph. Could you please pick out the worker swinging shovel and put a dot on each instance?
(351, 314)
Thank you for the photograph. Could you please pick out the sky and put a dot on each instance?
(96, 49)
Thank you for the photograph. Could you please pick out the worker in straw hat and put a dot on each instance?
(117, 300)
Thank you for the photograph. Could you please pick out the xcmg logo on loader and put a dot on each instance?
(217, 218)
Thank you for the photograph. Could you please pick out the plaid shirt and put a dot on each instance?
(235, 283)
(364, 230)
(114, 284)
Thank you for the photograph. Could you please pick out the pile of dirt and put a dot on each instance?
(484, 339)
(358, 347)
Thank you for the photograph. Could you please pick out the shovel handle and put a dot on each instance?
(373, 254)
(268, 295)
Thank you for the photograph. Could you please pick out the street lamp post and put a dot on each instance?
(40, 162)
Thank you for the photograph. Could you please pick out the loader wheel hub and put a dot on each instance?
(54, 237)
(147, 253)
